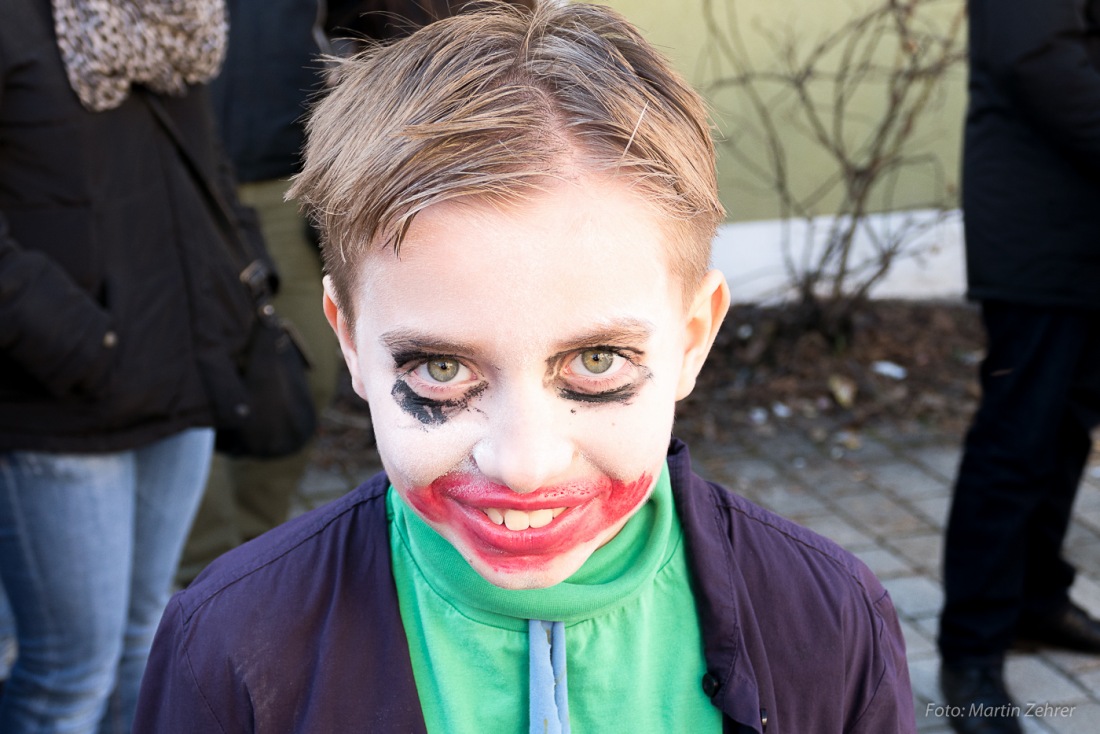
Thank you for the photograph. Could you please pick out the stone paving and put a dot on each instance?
(884, 494)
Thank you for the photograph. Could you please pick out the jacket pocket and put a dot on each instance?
(65, 235)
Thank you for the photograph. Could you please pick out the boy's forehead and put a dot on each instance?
(560, 211)
(592, 249)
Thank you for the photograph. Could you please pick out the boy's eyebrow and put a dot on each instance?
(408, 341)
(617, 332)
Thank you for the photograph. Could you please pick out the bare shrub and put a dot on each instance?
(854, 96)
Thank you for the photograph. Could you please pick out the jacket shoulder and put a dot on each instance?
(766, 544)
(276, 635)
(354, 523)
(777, 532)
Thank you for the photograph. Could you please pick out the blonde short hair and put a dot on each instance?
(491, 102)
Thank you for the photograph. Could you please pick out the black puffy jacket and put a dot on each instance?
(260, 98)
(1031, 165)
(112, 288)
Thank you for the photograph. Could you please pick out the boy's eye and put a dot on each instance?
(442, 370)
(602, 375)
(597, 361)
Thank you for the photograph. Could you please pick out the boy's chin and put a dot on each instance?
(517, 575)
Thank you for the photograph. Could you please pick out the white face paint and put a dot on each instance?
(522, 365)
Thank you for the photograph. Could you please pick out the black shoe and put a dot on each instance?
(977, 701)
(1069, 628)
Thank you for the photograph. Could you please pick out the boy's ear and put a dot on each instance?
(340, 325)
(703, 319)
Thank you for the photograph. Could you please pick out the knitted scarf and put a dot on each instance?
(107, 45)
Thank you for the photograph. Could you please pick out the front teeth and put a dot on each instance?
(538, 518)
(520, 520)
(517, 519)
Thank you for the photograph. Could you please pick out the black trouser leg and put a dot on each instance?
(1048, 576)
(1022, 461)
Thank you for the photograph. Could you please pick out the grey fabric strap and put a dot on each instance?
(549, 689)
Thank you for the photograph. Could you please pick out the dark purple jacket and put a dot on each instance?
(299, 631)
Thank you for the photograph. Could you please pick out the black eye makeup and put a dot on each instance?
(601, 374)
(433, 387)
(621, 395)
(430, 411)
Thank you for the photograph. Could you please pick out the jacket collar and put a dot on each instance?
(719, 590)
(730, 681)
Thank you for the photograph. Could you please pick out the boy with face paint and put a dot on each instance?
(517, 207)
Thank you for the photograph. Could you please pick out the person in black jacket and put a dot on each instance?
(272, 66)
(115, 306)
(272, 69)
(1031, 183)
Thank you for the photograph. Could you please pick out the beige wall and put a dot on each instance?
(679, 29)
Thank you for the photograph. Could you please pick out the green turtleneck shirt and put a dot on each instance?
(633, 648)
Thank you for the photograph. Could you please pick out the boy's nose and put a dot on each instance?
(527, 447)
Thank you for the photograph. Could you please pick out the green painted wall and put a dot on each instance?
(680, 29)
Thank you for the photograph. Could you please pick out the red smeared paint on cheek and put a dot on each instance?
(621, 500)
(427, 502)
(454, 505)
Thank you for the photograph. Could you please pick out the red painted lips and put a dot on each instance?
(464, 509)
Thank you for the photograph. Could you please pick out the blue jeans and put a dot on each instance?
(7, 636)
(88, 547)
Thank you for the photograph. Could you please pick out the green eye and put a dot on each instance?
(443, 370)
(597, 361)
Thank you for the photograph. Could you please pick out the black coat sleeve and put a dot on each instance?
(50, 326)
(1043, 54)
